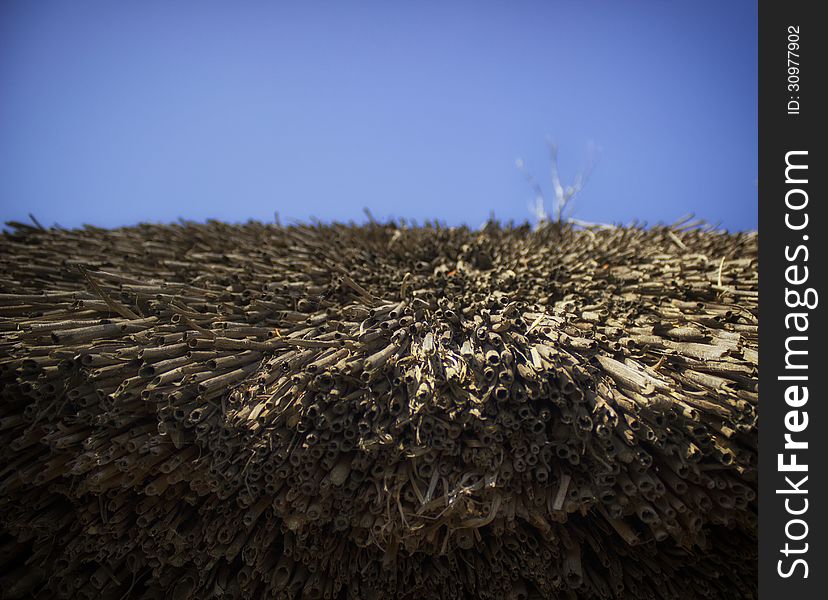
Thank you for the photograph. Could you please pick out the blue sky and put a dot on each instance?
(117, 113)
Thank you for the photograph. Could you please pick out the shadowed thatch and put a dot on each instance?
(195, 411)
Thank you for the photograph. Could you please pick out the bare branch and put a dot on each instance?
(538, 208)
(563, 196)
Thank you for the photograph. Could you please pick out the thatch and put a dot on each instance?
(254, 411)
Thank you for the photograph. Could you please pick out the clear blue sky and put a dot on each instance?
(112, 113)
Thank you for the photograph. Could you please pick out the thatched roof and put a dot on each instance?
(365, 412)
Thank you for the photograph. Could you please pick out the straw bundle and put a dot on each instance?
(254, 411)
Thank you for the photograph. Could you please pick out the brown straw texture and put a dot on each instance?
(378, 411)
